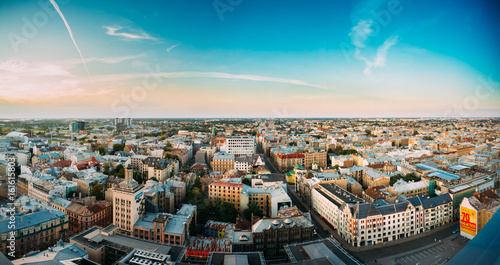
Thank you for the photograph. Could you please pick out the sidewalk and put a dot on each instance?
(360, 252)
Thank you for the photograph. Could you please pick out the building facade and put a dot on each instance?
(241, 145)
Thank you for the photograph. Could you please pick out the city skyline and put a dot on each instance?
(243, 59)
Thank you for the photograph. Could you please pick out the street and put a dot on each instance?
(370, 254)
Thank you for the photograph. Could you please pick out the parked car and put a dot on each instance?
(456, 231)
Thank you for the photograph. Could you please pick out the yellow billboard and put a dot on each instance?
(468, 221)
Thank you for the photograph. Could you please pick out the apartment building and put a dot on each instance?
(178, 188)
(82, 217)
(476, 211)
(314, 155)
(285, 162)
(409, 189)
(246, 163)
(342, 160)
(159, 168)
(270, 199)
(226, 192)
(160, 196)
(136, 161)
(372, 177)
(222, 162)
(162, 228)
(36, 227)
(45, 190)
(241, 145)
(361, 223)
(328, 198)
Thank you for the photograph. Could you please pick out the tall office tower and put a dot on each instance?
(241, 145)
(128, 202)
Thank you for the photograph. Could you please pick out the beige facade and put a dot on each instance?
(226, 192)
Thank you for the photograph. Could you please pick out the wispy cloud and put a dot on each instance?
(35, 81)
(112, 60)
(217, 75)
(359, 34)
(381, 56)
(56, 7)
(138, 35)
(171, 47)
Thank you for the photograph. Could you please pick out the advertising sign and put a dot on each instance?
(468, 221)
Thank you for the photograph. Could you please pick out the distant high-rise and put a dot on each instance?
(77, 126)
(123, 123)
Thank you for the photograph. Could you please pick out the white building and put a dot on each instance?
(362, 224)
(241, 145)
(22, 157)
(246, 162)
(128, 203)
(45, 190)
(270, 199)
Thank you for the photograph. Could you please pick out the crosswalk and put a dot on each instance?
(432, 255)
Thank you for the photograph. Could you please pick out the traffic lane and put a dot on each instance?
(412, 243)
(321, 227)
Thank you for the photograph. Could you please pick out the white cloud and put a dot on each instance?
(140, 35)
(171, 47)
(20, 80)
(218, 75)
(111, 60)
(381, 56)
(359, 34)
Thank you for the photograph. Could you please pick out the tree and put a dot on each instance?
(253, 208)
(119, 171)
(106, 168)
(428, 138)
(336, 167)
(98, 191)
(393, 143)
(138, 177)
(292, 144)
(368, 132)
(101, 150)
(118, 147)
(153, 178)
(197, 182)
(408, 177)
(246, 181)
(228, 212)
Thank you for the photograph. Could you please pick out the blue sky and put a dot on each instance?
(249, 59)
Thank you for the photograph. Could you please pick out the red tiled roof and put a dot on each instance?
(222, 183)
(62, 163)
(289, 156)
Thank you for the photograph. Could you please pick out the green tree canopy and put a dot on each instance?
(118, 147)
(254, 209)
(101, 150)
(246, 181)
(98, 191)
